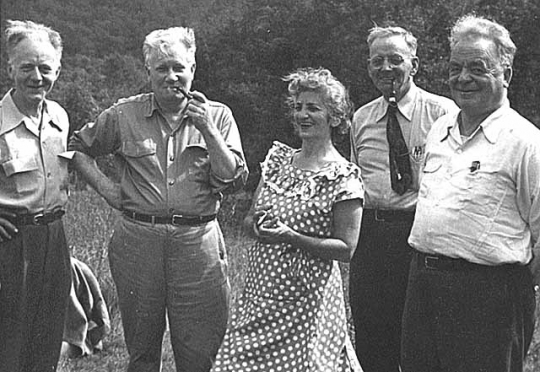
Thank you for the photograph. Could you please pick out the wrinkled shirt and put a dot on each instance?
(33, 162)
(417, 111)
(479, 198)
(162, 172)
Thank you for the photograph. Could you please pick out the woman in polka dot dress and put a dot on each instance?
(306, 215)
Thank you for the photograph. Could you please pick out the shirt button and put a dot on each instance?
(171, 182)
(49, 175)
(171, 158)
(459, 151)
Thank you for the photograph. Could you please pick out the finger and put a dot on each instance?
(4, 235)
(198, 96)
(6, 225)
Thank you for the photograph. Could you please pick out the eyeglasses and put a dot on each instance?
(394, 60)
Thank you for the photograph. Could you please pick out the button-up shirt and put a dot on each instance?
(417, 111)
(479, 198)
(162, 171)
(33, 162)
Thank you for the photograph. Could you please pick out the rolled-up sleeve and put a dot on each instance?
(98, 138)
(229, 131)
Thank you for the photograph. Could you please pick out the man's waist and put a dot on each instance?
(389, 215)
(24, 218)
(440, 262)
(171, 219)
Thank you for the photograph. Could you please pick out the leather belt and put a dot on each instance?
(40, 218)
(175, 219)
(444, 263)
(389, 215)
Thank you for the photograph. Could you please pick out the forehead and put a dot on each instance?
(35, 51)
(309, 96)
(474, 49)
(394, 44)
(171, 53)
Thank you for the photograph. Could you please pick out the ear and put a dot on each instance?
(58, 71)
(415, 65)
(193, 67)
(10, 70)
(507, 76)
(334, 122)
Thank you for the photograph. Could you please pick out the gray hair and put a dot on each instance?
(335, 95)
(163, 40)
(384, 32)
(17, 31)
(474, 26)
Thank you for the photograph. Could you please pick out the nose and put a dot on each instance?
(171, 75)
(464, 75)
(35, 74)
(385, 66)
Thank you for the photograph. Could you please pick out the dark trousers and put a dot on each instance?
(378, 280)
(35, 278)
(462, 317)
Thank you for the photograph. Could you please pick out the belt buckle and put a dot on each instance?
(37, 218)
(174, 217)
(430, 259)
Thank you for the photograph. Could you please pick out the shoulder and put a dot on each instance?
(521, 128)
(139, 99)
(436, 101)
(369, 107)
(58, 113)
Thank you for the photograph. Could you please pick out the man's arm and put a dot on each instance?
(91, 173)
(222, 160)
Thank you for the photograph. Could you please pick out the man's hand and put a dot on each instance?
(7, 229)
(197, 110)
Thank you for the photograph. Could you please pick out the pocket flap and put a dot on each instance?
(137, 149)
(432, 167)
(20, 165)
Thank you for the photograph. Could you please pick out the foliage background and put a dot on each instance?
(246, 47)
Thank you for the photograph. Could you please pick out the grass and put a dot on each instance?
(89, 225)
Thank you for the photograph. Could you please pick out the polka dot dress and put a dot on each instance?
(291, 316)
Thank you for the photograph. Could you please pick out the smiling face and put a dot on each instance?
(391, 65)
(478, 81)
(34, 66)
(311, 116)
(170, 70)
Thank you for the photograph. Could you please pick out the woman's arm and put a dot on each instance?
(341, 246)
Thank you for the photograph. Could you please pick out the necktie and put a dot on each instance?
(400, 166)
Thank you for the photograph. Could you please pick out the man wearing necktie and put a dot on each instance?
(387, 143)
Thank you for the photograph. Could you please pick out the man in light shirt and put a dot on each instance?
(470, 299)
(34, 259)
(379, 268)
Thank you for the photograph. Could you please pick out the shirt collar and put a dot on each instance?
(153, 106)
(12, 117)
(491, 127)
(405, 105)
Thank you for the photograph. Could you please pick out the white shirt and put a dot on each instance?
(480, 199)
(418, 110)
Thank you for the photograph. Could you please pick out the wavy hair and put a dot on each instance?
(17, 31)
(334, 94)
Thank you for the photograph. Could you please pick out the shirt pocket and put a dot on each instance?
(198, 163)
(141, 155)
(430, 180)
(24, 172)
(484, 191)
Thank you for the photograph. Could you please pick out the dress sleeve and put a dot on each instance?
(351, 185)
(276, 156)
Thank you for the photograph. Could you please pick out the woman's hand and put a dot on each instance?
(273, 231)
